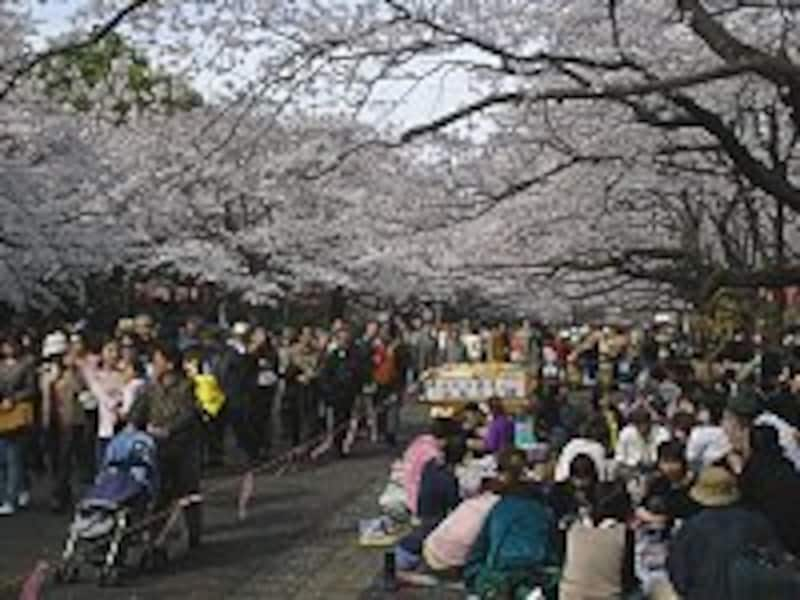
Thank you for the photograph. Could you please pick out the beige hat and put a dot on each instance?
(716, 486)
(126, 325)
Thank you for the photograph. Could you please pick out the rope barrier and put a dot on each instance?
(27, 581)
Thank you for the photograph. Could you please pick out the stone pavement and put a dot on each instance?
(300, 541)
(296, 526)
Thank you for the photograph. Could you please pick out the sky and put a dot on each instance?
(429, 100)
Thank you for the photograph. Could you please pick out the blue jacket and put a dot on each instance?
(519, 534)
(438, 495)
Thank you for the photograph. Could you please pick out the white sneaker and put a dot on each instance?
(6, 509)
(24, 500)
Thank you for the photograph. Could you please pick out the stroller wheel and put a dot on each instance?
(109, 576)
(67, 573)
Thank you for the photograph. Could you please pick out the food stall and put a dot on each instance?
(449, 388)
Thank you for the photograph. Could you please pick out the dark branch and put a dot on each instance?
(608, 92)
(97, 35)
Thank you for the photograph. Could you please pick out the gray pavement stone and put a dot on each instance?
(300, 541)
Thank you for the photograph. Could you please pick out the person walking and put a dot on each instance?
(166, 408)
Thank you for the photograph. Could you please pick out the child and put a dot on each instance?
(666, 505)
(133, 378)
(208, 393)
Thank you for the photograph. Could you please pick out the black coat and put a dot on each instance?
(771, 486)
(673, 501)
(704, 549)
(340, 377)
(237, 375)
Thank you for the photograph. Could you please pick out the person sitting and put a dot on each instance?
(516, 545)
(593, 433)
(421, 450)
(438, 496)
(599, 556)
(708, 443)
(770, 485)
(666, 504)
(637, 449)
(578, 498)
(499, 433)
(705, 548)
(671, 484)
(447, 547)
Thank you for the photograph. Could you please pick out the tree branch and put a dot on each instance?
(97, 35)
(778, 69)
(598, 92)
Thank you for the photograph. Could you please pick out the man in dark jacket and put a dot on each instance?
(703, 552)
(340, 382)
(167, 410)
(237, 374)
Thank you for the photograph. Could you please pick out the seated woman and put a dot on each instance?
(577, 498)
(424, 448)
(636, 454)
(499, 433)
(447, 547)
(516, 545)
(591, 441)
(599, 556)
(438, 495)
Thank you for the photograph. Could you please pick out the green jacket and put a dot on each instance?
(171, 406)
(518, 536)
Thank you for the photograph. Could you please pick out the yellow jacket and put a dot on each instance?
(209, 394)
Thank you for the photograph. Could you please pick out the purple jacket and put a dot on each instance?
(500, 434)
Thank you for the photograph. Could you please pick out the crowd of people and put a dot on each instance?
(625, 473)
(65, 394)
(649, 483)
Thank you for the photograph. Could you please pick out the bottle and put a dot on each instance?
(389, 571)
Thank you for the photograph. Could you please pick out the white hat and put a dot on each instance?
(241, 329)
(55, 344)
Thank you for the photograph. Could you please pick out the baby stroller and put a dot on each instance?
(111, 520)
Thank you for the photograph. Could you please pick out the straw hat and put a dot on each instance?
(715, 487)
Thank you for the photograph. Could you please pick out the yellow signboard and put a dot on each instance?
(463, 383)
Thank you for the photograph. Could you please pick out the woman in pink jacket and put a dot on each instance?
(105, 381)
(423, 449)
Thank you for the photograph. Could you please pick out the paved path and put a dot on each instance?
(297, 527)
(299, 541)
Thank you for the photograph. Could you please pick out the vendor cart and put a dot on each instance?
(449, 388)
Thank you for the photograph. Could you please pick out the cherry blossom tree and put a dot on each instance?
(608, 150)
